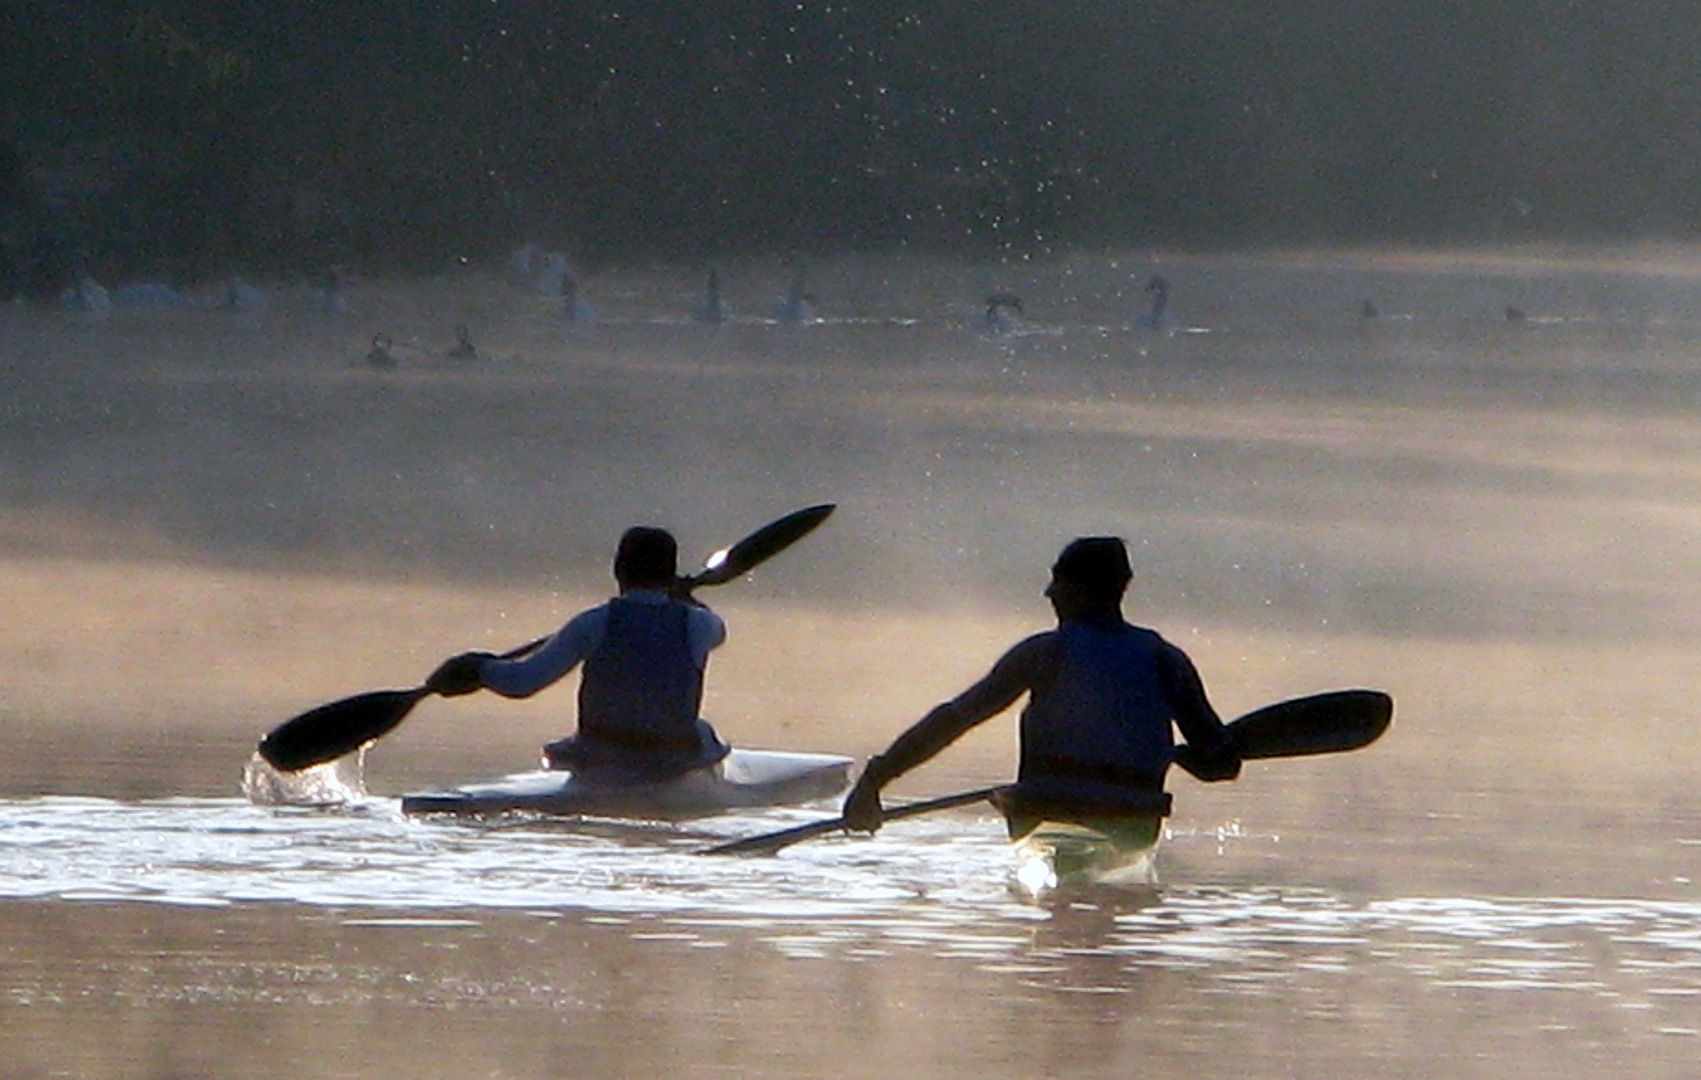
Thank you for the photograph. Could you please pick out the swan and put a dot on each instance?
(381, 357)
(552, 271)
(714, 309)
(798, 306)
(1157, 316)
(1001, 313)
(332, 293)
(573, 306)
(241, 296)
(86, 295)
(463, 348)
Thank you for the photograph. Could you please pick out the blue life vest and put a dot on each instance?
(641, 689)
(1105, 718)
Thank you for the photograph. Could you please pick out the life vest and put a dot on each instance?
(1104, 719)
(641, 689)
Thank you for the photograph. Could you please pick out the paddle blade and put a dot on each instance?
(1320, 724)
(760, 546)
(342, 727)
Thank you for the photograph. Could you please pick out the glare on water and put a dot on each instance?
(207, 529)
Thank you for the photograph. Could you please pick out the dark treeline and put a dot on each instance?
(187, 137)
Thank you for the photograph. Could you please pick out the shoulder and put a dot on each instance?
(1167, 651)
(702, 617)
(594, 616)
(1034, 653)
(587, 625)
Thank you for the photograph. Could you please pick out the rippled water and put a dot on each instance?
(1496, 523)
(948, 881)
(330, 917)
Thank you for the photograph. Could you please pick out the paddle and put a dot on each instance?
(342, 727)
(1326, 723)
(1320, 724)
(768, 843)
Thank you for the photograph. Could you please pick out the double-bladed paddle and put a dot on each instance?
(342, 727)
(1320, 724)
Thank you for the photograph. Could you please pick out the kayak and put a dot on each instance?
(742, 780)
(1114, 851)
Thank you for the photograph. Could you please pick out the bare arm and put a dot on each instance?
(1210, 753)
(1013, 675)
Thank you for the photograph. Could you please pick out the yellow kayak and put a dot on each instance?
(1052, 855)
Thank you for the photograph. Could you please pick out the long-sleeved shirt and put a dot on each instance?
(581, 636)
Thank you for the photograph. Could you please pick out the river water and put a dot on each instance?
(210, 523)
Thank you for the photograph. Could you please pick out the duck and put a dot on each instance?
(86, 295)
(1156, 317)
(463, 349)
(380, 355)
(798, 306)
(241, 296)
(573, 306)
(713, 310)
(552, 270)
(332, 292)
(1000, 316)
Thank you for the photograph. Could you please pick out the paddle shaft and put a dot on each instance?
(769, 843)
(1330, 722)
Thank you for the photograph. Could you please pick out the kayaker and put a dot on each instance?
(1096, 734)
(644, 654)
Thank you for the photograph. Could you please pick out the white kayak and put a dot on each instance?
(743, 779)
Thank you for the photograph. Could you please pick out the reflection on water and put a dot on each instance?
(944, 884)
(203, 533)
(525, 938)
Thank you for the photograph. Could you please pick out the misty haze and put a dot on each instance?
(340, 340)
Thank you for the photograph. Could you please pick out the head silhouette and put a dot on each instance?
(647, 557)
(1094, 570)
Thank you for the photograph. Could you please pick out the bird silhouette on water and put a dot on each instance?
(1156, 317)
(380, 356)
(573, 306)
(798, 306)
(463, 348)
(713, 310)
(1002, 311)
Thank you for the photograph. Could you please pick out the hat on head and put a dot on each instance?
(646, 554)
(1098, 565)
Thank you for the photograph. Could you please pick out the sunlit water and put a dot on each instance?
(1496, 522)
(949, 884)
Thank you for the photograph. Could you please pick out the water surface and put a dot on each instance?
(208, 525)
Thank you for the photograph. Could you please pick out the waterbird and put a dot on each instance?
(552, 271)
(380, 355)
(573, 306)
(86, 295)
(1002, 309)
(463, 348)
(713, 310)
(1156, 317)
(241, 296)
(332, 292)
(798, 306)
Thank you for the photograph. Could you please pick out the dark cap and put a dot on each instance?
(647, 555)
(1098, 565)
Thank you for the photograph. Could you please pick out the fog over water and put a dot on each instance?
(1421, 415)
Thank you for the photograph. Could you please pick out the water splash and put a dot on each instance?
(335, 783)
